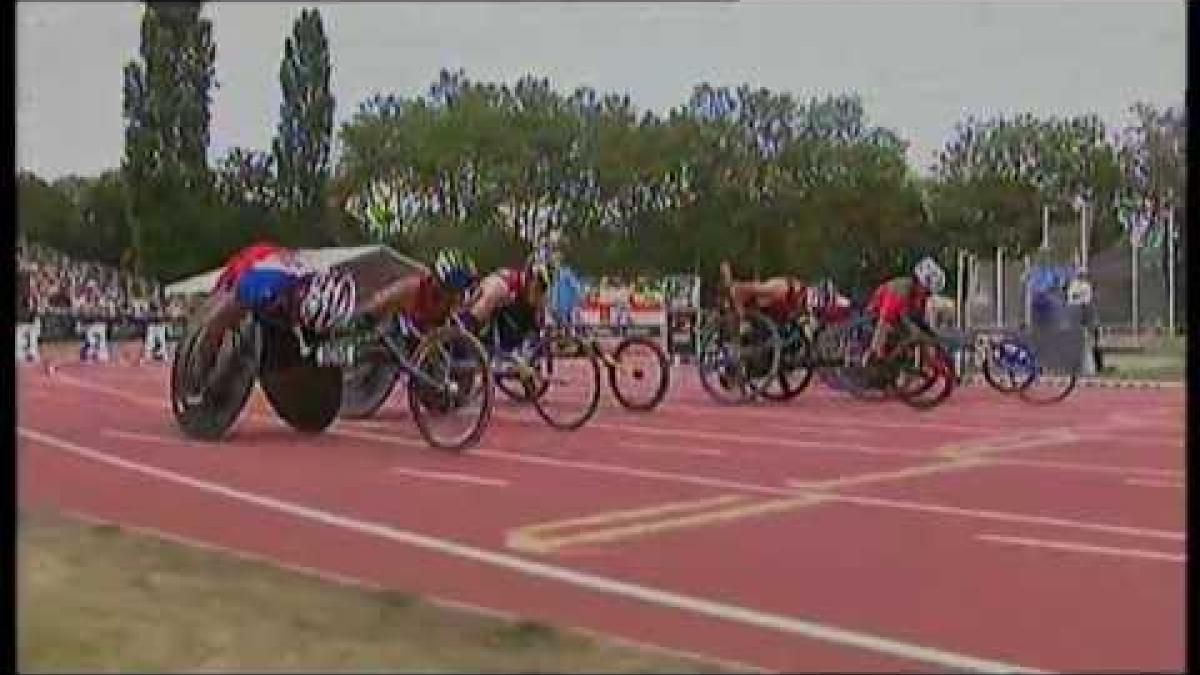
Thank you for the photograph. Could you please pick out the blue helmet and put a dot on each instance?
(454, 269)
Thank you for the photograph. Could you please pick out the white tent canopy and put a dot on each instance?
(372, 267)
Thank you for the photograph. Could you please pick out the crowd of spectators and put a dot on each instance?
(61, 298)
(51, 283)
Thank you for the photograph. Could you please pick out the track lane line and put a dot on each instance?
(611, 586)
(1142, 482)
(653, 447)
(1077, 547)
(449, 476)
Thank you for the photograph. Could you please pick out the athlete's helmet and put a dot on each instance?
(328, 301)
(454, 269)
(930, 275)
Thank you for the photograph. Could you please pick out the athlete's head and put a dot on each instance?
(328, 300)
(454, 269)
(930, 275)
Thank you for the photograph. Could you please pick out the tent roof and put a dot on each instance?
(372, 266)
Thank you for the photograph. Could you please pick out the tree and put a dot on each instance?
(166, 109)
(994, 175)
(302, 144)
(46, 214)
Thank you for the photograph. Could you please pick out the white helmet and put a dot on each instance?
(328, 301)
(930, 275)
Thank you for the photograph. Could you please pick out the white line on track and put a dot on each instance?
(747, 439)
(1085, 466)
(707, 452)
(150, 438)
(827, 422)
(939, 509)
(448, 476)
(399, 470)
(1142, 482)
(711, 608)
(1076, 547)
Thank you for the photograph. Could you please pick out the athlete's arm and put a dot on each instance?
(220, 312)
(493, 294)
(394, 298)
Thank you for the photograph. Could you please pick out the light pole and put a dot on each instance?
(1171, 269)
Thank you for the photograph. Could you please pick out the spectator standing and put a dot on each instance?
(1080, 296)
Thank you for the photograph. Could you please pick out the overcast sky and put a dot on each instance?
(919, 66)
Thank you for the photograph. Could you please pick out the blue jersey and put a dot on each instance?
(565, 295)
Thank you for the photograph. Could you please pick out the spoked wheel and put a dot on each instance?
(208, 392)
(866, 383)
(926, 375)
(450, 394)
(562, 378)
(509, 381)
(795, 367)
(828, 347)
(736, 364)
(1049, 385)
(639, 373)
(366, 387)
(1010, 366)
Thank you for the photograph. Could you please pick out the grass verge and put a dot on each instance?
(97, 598)
(1145, 366)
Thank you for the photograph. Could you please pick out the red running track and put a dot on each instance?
(821, 535)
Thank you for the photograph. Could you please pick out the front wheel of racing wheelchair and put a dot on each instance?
(448, 386)
(209, 391)
(737, 360)
(553, 369)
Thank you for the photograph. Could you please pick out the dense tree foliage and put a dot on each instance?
(166, 109)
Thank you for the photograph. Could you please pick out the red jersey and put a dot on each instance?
(515, 280)
(898, 297)
(427, 305)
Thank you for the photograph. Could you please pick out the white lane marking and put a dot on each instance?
(719, 610)
(151, 438)
(1083, 548)
(766, 489)
(443, 475)
(416, 473)
(620, 470)
(707, 452)
(1155, 483)
(848, 499)
(830, 423)
(1086, 466)
(1012, 517)
(746, 439)
(341, 429)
